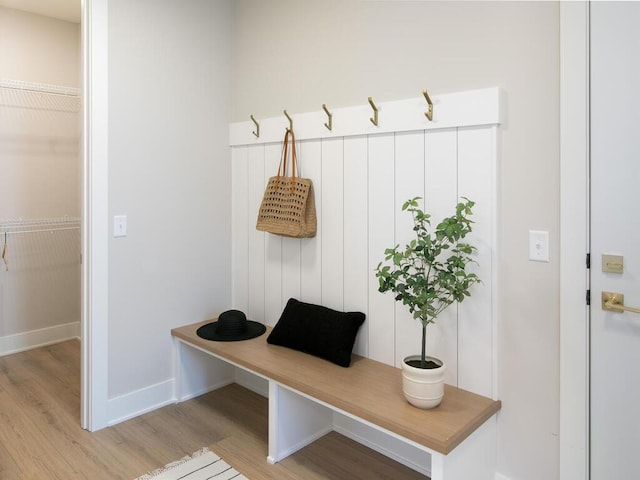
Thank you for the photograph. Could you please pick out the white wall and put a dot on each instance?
(40, 145)
(169, 172)
(39, 49)
(298, 55)
(40, 179)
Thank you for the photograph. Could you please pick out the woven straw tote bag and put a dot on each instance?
(288, 206)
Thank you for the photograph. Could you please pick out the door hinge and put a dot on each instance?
(588, 260)
(588, 297)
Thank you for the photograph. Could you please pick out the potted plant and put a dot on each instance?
(428, 275)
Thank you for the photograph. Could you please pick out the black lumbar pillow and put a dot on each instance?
(317, 330)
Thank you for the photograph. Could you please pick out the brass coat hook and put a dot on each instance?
(329, 124)
(428, 113)
(374, 119)
(290, 120)
(257, 132)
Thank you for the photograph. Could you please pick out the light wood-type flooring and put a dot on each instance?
(41, 438)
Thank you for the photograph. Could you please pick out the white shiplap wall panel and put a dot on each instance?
(441, 196)
(311, 275)
(409, 183)
(356, 260)
(240, 229)
(291, 267)
(255, 254)
(272, 248)
(381, 201)
(476, 155)
(332, 221)
(361, 181)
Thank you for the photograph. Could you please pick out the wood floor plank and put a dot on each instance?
(41, 438)
(19, 429)
(7, 464)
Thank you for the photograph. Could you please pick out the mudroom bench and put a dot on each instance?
(308, 397)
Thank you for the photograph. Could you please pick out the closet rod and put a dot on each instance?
(40, 91)
(38, 221)
(40, 88)
(50, 230)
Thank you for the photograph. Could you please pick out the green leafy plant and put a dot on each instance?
(429, 274)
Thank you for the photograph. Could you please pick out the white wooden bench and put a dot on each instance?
(308, 397)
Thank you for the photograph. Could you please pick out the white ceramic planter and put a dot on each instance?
(423, 388)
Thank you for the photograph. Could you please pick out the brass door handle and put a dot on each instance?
(615, 302)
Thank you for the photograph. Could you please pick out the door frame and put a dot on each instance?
(574, 158)
(574, 240)
(95, 215)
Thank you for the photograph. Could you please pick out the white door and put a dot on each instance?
(615, 229)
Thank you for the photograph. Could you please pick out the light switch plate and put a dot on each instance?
(538, 246)
(120, 226)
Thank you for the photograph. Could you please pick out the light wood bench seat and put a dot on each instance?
(368, 391)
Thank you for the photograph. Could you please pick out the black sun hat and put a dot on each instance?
(231, 326)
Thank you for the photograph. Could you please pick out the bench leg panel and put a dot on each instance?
(294, 422)
(474, 458)
(197, 372)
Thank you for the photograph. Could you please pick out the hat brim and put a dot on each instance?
(208, 332)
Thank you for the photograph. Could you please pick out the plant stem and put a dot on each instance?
(423, 358)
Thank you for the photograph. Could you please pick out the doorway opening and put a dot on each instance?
(42, 176)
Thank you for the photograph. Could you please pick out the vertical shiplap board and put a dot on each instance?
(255, 257)
(441, 196)
(381, 235)
(291, 263)
(409, 183)
(310, 156)
(240, 231)
(332, 223)
(291, 257)
(273, 248)
(476, 160)
(356, 265)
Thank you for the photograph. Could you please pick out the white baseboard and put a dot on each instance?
(501, 477)
(252, 382)
(140, 402)
(20, 342)
(198, 393)
(299, 445)
(147, 399)
(388, 446)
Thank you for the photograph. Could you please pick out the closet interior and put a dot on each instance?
(40, 182)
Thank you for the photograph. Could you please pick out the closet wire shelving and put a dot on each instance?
(17, 99)
(39, 96)
(42, 225)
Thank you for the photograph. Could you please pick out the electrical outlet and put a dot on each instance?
(538, 246)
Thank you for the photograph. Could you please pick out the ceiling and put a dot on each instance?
(68, 10)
